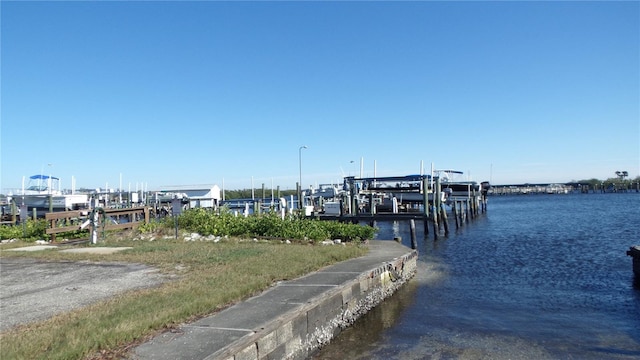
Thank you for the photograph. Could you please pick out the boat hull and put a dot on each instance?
(56, 202)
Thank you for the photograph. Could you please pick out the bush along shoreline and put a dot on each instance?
(208, 223)
(268, 225)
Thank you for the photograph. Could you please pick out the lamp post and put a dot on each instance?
(300, 168)
(49, 188)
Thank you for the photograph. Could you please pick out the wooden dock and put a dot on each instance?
(424, 200)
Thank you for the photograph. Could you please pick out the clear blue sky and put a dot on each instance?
(183, 93)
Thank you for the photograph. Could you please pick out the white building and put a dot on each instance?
(205, 196)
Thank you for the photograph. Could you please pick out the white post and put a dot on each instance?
(94, 227)
(375, 171)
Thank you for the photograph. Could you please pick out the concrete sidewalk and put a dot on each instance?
(293, 318)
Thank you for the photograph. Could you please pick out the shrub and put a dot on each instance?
(207, 222)
(32, 230)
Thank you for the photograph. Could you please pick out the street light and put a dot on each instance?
(49, 188)
(300, 168)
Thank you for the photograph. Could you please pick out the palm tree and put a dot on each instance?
(622, 174)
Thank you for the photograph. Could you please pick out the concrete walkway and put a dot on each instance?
(293, 318)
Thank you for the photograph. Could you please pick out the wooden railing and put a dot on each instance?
(108, 219)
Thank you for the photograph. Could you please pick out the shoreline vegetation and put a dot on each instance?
(229, 261)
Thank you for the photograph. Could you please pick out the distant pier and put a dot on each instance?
(564, 188)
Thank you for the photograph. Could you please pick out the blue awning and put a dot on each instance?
(43, 177)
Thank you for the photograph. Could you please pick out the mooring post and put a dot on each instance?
(445, 221)
(425, 199)
(438, 201)
(14, 213)
(476, 200)
(455, 213)
(372, 204)
(436, 227)
(466, 210)
(354, 197)
(474, 203)
(412, 229)
(484, 203)
(474, 209)
(436, 204)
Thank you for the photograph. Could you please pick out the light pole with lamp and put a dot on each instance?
(49, 185)
(300, 168)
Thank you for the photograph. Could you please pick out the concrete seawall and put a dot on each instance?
(294, 318)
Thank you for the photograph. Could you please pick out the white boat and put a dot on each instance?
(459, 189)
(43, 192)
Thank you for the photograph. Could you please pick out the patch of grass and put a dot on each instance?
(210, 276)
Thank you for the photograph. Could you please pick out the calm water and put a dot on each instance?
(537, 277)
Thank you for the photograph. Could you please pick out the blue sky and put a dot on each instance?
(184, 93)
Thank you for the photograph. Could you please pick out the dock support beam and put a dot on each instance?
(425, 193)
(414, 244)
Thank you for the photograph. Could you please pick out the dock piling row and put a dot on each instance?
(414, 197)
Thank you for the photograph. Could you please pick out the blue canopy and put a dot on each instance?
(43, 177)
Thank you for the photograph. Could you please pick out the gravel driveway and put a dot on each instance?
(32, 290)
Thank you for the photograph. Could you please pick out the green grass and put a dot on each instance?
(209, 277)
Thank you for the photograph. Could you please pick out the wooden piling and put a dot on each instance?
(436, 228)
(445, 221)
(414, 244)
(455, 213)
(436, 207)
(425, 193)
(354, 200)
(372, 204)
(425, 222)
(14, 213)
(466, 210)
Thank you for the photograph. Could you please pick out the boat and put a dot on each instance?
(42, 192)
(634, 252)
(457, 189)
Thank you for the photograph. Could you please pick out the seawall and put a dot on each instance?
(294, 318)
